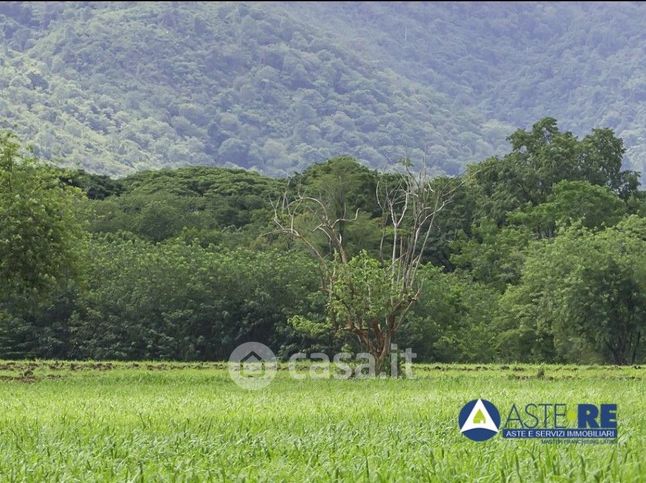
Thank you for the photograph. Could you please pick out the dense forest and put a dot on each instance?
(539, 255)
(274, 87)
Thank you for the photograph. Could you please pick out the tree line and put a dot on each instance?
(538, 255)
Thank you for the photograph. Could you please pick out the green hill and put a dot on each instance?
(119, 87)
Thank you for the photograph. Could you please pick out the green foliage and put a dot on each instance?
(341, 183)
(572, 202)
(33, 327)
(365, 305)
(453, 222)
(539, 160)
(95, 186)
(347, 190)
(537, 257)
(492, 255)
(452, 320)
(200, 204)
(583, 294)
(40, 231)
(362, 292)
(179, 301)
(41, 253)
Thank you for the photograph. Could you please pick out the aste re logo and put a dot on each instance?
(479, 420)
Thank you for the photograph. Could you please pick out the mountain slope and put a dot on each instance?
(119, 87)
(581, 63)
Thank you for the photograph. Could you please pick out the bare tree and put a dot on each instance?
(369, 298)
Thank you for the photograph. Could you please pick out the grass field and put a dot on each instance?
(67, 421)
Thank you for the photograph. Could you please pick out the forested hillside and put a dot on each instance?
(120, 87)
(538, 255)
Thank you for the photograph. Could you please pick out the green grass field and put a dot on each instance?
(189, 422)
